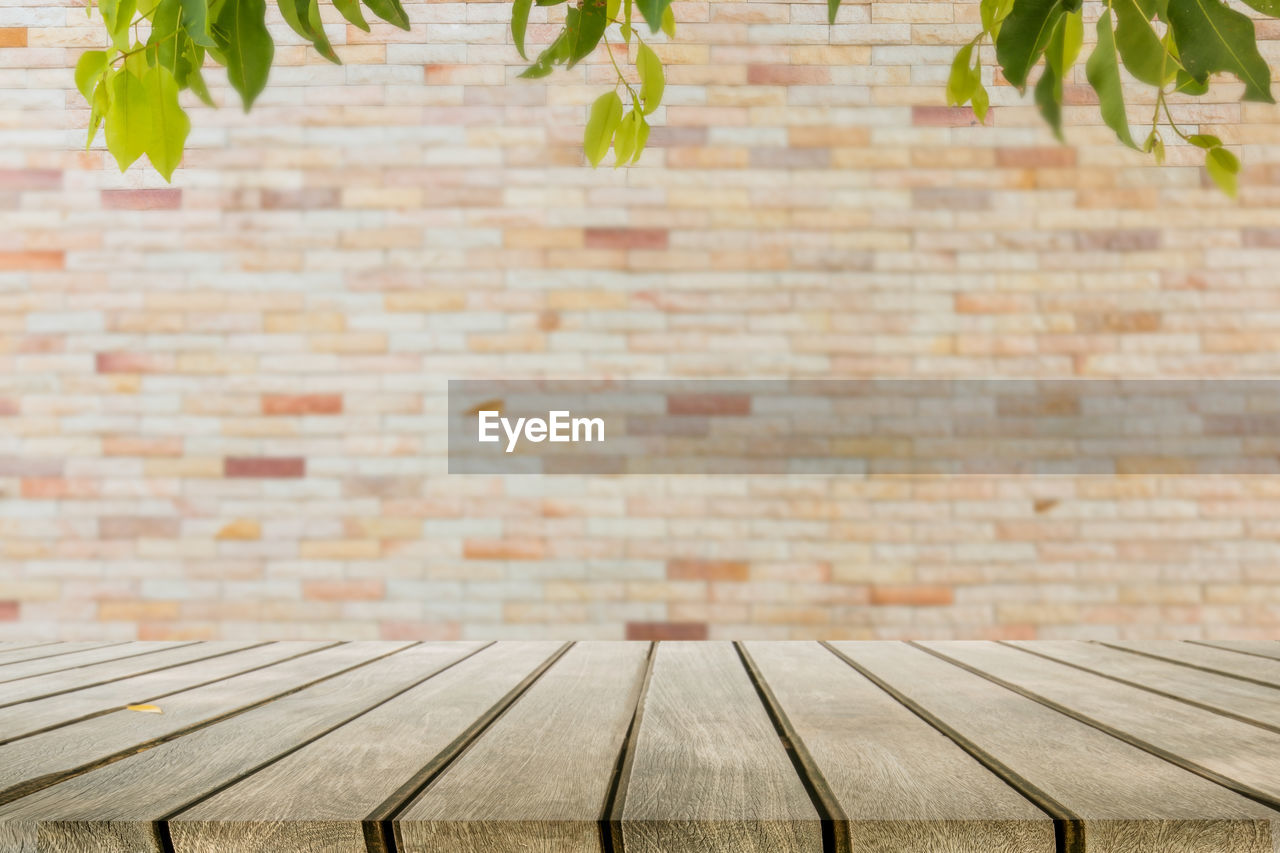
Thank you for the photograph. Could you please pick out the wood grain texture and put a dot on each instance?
(1233, 753)
(1232, 696)
(709, 772)
(129, 795)
(538, 779)
(82, 660)
(319, 797)
(1118, 798)
(30, 651)
(903, 786)
(1249, 667)
(64, 681)
(28, 718)
(1261, 648)
(42, 759)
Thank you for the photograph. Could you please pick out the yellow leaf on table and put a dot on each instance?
(145, 709)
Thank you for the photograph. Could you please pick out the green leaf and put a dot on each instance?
(128, 119)
(1266, 7)
(585, 26)
(519, 23)
(1024, 36)
(89, 70)
(101, 106)
(315, 29)
(669, 23)
(169, 126)
(1049, 99)
(653, 11)
(350, 9)
(1205, 141)
(642, 138)
(653, 81)
(833, 8)
(1140, 49)
(606, 113)
(611, 9)
(981, 103)
(1064, 47)
(1103, 71)
(246, 45)
(195, 21)
(1224, 168)
(962, 82)
(1049, 89)
(1212, 37)
(1155, 146)
(118, 15)
(624, 140)
(390, 11)
(553, 54)
(168, 38)
(993, 13)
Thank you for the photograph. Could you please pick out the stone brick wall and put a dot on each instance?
(221, 401)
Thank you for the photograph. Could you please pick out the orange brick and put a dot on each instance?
(913, 596)
(667, 630)
(707, 570)
(32, 261)
(13, 36)
(302, 404)
(242, 529)
(506, 549)
(364, 590)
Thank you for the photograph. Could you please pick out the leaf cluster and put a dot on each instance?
(158, 48)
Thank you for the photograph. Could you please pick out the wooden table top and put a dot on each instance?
(368, 747)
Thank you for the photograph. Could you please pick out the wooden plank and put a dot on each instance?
(1238, 755)
(1247, 667)
(65, 681)
(320, 797)
(901, 785)
(29, 718)
(1261, 648)
(708, 771)
(11, 652)
(540, 777)
(1109, 795)
(238, 681)
(90, 653)
(1243, 700)
(113, 809)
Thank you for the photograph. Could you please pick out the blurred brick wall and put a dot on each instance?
(221, 402)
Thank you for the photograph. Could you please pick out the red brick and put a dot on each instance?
(504, 549)
(139, 527)
(9, 609)
(30, 179)
(363, 590)
(131, 362)
(708, 404)
(666, 630)
(8, 407)
(157, 199)
(707, 570)
(946, 117)
(913, 596)
(13, 36)
(302, 404)
(788, 75)
(22, 261)
(1120, 240)
(266, 467)
(626, 238)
